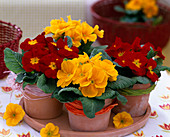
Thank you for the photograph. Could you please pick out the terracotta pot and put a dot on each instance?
(104, 15)
(136, 105)
(83, 123)
(41, 107)
(80, 122)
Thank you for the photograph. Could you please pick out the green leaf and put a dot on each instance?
(131, 92)
(75, 90)
(65, 96)
(91, 106)
(131, 12)
(85, 47)
(25, 77)
(119, 9)
(69, 42)
(24, 84)
(121, 82)
(13, 61)
(142, 80)
(109, 93)
(104, 54)
(128, 19)
(121, 98)
(151, 53)
(100, 47)
(46, 85)
(20, 77)
(159, 61)
(160, 68)
(157, 20)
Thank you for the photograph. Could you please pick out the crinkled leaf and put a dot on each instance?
(109, 93)
(46, 85)
(161, 68)
(85, 47)
(13, 61)
(104, 54)
(65, 96)
(142, 80)
(91, 106)
(121, 98)
(25, 76)
(100, 47)
(151, 53)
(121, 82)
(119, 9)
(157, 20)
(75, 90)
(159, 61)
(69, 42)
(128, 19)
(131, 12)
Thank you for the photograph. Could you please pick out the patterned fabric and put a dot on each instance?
(158, 124)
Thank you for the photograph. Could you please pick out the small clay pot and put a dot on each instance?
(136, 105)
(42, 107)
(83, 123)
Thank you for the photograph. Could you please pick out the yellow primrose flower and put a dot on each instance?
(75, 37)
(66, 74)
(97, 32)
(73, 22)
(150, 10)
(13, 114)
(109, 68)
(83, 71)
(82, 59)
(96, 57)
(134, 5)
(50, 130)
(86, 32)
(122, 120)
(95, 85)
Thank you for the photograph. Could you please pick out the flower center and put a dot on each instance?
(32, 42)
(137, 63)
(92, 81)
(123, 61)
(120, 54)
(67, 48)
(13, 115)
(53, 66)
(122, 121)
(34, 60)
(114, 46)
(49, 134)
(150, 69)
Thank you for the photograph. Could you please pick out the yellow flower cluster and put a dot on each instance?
(149, 7)
(75, 29)
(91, 74)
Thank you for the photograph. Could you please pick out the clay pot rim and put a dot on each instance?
(105, 19)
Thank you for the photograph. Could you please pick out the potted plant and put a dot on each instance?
(139, 68)
(44, 61)
(146, 19)
(82, 81)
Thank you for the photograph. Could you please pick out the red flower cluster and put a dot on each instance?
(44, 55)
(134, 56)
